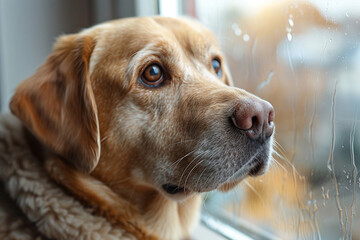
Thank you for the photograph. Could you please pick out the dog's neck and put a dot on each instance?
(170, 219)
(141, 211)
(165, 218)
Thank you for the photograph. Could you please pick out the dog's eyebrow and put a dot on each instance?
(138, 57)
(152, 50)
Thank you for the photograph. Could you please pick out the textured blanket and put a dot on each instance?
(32, 206)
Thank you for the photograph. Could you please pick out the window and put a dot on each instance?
(303, 57)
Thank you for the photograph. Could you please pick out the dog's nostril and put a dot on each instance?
(255, 121)
(243, 123)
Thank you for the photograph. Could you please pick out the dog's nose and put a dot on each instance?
(255, 117)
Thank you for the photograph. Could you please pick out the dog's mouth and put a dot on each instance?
(173, 189)
(256, 170)
(259, 169)
(255, 166)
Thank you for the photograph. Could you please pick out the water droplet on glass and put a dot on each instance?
(347, 15)
(234, 26)
(238, 32)
(315, 207)
(289, 36)
(288, 29)
(291, 22)
(330, 39)
(246, 37)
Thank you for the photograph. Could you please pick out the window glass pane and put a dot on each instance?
(304, 58)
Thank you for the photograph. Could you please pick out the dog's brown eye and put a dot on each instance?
(152, 75)
(217, 67)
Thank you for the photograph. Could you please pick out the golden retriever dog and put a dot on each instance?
(137, 117)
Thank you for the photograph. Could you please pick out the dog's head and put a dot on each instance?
(147, 101)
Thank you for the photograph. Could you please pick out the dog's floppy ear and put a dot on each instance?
(57, 103)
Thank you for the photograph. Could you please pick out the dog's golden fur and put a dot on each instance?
(112, 142)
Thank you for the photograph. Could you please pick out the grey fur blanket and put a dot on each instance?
(32, 206)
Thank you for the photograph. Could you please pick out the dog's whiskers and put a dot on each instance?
(204, 194)
(188, 167)
(279, 148)
(197, 182)
(277, 143)
(282, 157)
(180, 159)
(184, 141)
(251, 187)
(278, 163)
(191, 171)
